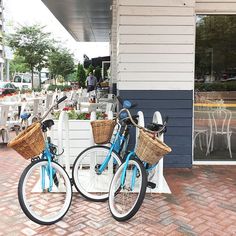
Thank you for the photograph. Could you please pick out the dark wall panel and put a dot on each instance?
(178, 106)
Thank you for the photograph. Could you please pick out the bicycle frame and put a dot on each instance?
(116, 146)
(49, 170)
(134, 171)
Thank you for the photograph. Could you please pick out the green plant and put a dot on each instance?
(53, 87)
(218, 86)
(74, 115)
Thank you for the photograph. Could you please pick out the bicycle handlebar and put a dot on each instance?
(138, 126)
(54, 105)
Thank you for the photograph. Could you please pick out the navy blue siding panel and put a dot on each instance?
(177, 105)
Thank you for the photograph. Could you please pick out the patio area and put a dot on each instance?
(202, 202)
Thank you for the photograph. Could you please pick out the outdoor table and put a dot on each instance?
(91, 106)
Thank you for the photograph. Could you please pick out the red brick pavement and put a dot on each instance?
(203, 202)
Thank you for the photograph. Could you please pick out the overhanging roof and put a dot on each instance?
(85, 20)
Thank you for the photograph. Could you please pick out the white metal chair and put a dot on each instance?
(221, 119)
(3, 123)
(202, 128)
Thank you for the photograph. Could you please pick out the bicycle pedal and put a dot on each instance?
(151, 185)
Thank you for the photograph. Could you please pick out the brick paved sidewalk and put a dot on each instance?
(203, 202)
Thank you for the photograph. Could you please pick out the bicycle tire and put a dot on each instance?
(39, 195)
(117, 195)
(90, 184)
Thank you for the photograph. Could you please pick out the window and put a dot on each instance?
(17, 79)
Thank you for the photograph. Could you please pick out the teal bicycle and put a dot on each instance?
(128, 186)
(94, 168)
(45, 189)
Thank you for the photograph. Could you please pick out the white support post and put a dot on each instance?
(63, 125)
(140, 123)
(158, 177)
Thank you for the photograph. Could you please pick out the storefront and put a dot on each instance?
(152, 55)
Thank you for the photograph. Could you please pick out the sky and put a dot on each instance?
(29, 12)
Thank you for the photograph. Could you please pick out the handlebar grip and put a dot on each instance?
(61, 99)
(120, 100)
(133, 105)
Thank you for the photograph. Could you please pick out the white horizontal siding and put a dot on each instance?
(156, 39)
(215, 6)
(158, 20)
(162, 3)
(153, 76)
(156, 30)
(153, 85)
(163, 58)
(158, 67)
(155, 44)
(154, 11)
(155, 49)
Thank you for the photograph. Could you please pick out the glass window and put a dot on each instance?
(26, 79)
(17, 79)
(215, 88)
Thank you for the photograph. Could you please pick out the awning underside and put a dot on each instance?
(85, 20)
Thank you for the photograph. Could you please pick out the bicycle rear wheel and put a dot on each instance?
(92, 183)
(39, 202)
(126, 199)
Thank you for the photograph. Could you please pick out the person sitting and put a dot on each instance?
(91, 82)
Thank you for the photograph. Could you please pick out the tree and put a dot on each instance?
(215, 45)
(81, 76)
(33, 45)
(90, 69)
(60, 63)
(18, 65)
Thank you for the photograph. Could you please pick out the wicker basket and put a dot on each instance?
(30, 142)
(150, 150)
(102, 130)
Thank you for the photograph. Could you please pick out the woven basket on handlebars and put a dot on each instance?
(30, 142)
(102, 130)
(150, 149)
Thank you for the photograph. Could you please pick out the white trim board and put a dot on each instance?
(222, 163)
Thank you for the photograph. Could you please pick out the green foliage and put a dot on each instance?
(74, 115)
(81, 75)
(60, 62)
(53, 87)
(98, 73)
(72, 77)
(32, 44)
(90, 69)
(215, 44)
(18, 65)
(224, 86)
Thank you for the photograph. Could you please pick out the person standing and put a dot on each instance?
(91, 82)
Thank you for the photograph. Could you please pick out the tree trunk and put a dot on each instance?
(32, 77)
(39, 78)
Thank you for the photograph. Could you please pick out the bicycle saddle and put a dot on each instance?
(156, 127)
(47, 124)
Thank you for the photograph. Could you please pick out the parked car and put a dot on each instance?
(22, 81)
(7, 88)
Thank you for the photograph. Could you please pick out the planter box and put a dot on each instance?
(80, 137)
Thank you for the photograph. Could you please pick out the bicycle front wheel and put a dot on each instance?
(127, 190)
(42, 202)
(93, 171)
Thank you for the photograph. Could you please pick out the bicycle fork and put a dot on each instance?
(134, 173)
(47, 170)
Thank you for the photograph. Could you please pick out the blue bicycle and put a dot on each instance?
(94, 168)
(128, 186)
(45, 189)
